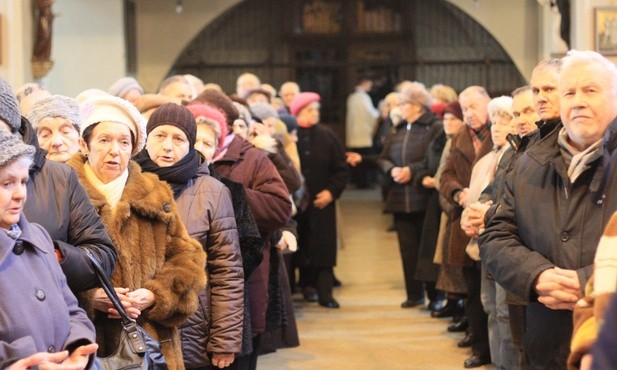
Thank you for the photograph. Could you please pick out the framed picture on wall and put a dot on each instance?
(605, 29)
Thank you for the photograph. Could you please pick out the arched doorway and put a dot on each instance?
(325, 44)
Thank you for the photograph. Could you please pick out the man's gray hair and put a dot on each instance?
(475, 89)
(551, 64)
(174, 79)
(520, 90)
(575, 57)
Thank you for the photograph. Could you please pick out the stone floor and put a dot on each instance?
(370, 330)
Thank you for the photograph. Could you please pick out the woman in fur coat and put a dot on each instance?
(160, 269)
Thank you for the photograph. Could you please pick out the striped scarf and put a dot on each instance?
(477, 137)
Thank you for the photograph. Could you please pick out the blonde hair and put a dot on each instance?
(445, 93)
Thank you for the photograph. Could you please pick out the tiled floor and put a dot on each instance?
(370, 330)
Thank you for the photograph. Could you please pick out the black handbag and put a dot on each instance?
(137, 349)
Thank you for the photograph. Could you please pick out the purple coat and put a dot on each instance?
(38, 312)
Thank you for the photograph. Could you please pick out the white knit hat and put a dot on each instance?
(112, 109)
(54, 106)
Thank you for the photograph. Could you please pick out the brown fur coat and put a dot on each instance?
(154, 252)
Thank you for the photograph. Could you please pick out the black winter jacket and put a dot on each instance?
(406, 147)
(57, 201)
(544, 221)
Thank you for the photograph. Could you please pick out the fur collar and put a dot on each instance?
(143, 194)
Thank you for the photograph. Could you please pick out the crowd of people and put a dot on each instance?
(209, 211)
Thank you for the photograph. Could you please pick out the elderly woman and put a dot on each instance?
(325, 171)
(56, 120)
(205, 207)
(59, 203)
(160, 269)
(400, 159)
(39, 314)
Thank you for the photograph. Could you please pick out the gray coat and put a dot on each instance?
(60, 204)
(216, 327)
(38, 312)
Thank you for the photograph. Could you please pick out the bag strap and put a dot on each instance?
(109, 289)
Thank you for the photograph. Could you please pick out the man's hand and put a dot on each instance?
(401, 175)
(472, 220)
(353, 159)
(222, 360)
(558, 289)
(322, 199)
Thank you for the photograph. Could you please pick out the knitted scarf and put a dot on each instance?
(177, 175)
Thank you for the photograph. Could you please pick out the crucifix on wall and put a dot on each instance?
(41, 52)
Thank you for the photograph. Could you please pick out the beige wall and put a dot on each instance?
(162, 34)
(15, 43)
(88, 46)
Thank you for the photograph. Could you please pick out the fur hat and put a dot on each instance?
(107, 108)
(174, 115)
(9, 112)
(454, 109)
(200, 111)
(302, 100)
(11, 147)
(54, 106)
(263, 111)
(123, 86)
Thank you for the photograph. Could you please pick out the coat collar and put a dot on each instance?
(7, 243)
(144, 193)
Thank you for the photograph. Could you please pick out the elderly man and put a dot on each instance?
(472, 142)
(541, 242)
(288, 92)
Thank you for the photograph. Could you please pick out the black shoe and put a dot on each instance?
(330, 303)
(466, 342)
(412, 303)
(459, 326)
(337, 283)
(391, 228)
(448, 310)
(434, 305)
(476, 361)
(310, 294)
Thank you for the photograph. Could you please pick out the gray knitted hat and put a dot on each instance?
(263, 111)
(9, 112)
(11, 148)
(55, 106)
(123, 86)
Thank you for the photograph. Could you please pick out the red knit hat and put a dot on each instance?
(454, 108)
(202, 110)
(302, 100)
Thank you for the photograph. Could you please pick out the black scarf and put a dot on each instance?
(177, 175)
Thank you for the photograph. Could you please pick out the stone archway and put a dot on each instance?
(428, 41)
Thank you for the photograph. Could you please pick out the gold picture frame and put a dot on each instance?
(605, 29)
